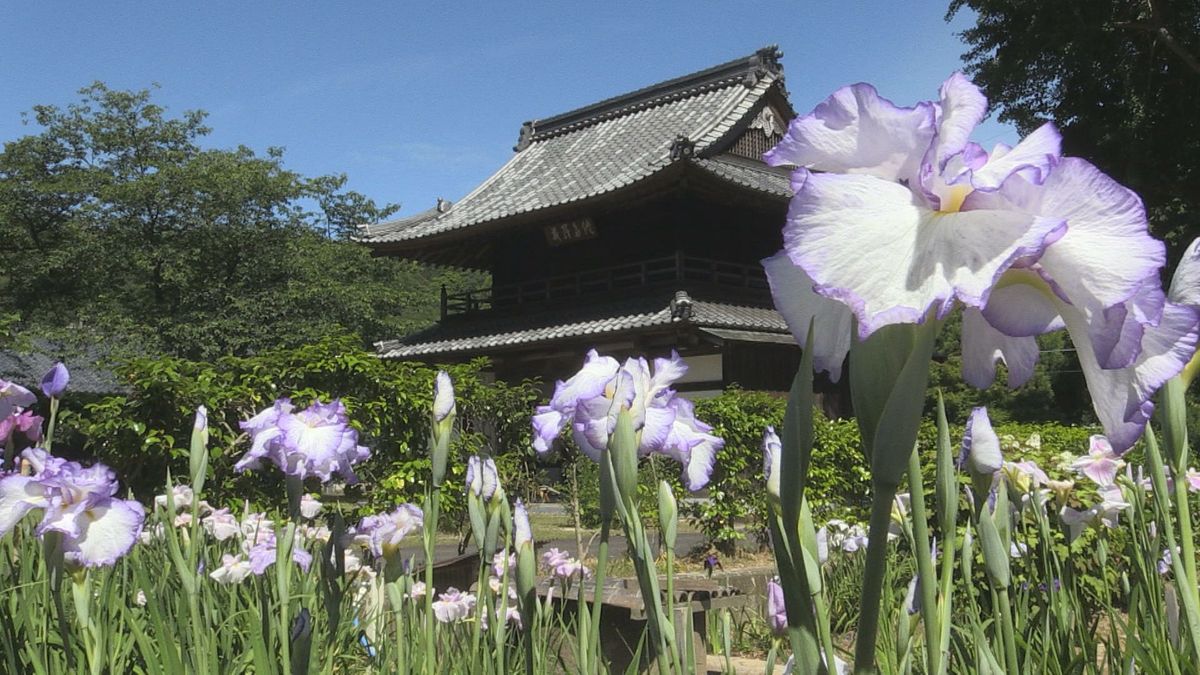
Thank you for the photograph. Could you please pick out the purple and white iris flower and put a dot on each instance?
(383, 533)
(562, 566)
(262, 554)
(980, 454)
(453, 605)
(25, 423)
(234, 569)
(76, 502)
(522, 532)
(1193, 480)
(181, 495)
(55, 381)
(591, 400)
(317, 441)
(443, 396)
(502, 565)
(310, 507)
(1026, 240)
(482, 477)
(776, 610)
(14, 398)
(1101, 464)
(221, 524)
(1106, 512)
(772, 449)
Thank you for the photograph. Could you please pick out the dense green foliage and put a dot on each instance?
(1056, 393)
(121, 229)
(1120, 79)
(838, 481)
(143, 434)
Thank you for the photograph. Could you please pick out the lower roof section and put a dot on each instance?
(501, 331)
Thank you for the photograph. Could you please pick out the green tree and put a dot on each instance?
(120, 226)
(1120, 78)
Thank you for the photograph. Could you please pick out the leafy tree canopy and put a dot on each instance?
(120, 226)
(1121, 79)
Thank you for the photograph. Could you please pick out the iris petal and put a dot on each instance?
(109, 531)
(831, 320)
(983, 345)
(856, 130)
(870, 244)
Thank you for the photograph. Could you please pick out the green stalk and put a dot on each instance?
(876, 570)
(283, 574)
(671, 586)
(81, 593)
(1159, 479)
(431, 519)
(946, 496)
(920, 528)
(1173, 417)
(48, 441)
(598, 585)
(1008, 632)
(824, 634)
(802, 635)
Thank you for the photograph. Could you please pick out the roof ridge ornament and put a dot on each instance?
(682, 148)
(681, 307)
(526, 137)
(766, 61)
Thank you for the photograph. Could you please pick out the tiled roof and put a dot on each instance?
(88, 376)
(610, 145)
(747, 173)
(499, 331)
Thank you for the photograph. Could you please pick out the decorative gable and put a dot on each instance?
(766, 129)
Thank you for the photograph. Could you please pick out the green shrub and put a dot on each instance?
(838, 483)
(144, 433)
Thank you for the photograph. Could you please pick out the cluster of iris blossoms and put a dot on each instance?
(898, 218)
(591, 400)
(78, 505)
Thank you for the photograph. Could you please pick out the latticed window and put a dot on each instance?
(754, 143)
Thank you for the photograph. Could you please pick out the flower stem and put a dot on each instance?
(1159, 479)
(431, 521)
(598, 593)
(1009, 632)
(873, 575)
(920, 528)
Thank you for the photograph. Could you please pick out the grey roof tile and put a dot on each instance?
(89, 375)
(748, 173)
(500, 330)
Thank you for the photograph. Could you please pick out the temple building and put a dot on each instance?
(634, 225)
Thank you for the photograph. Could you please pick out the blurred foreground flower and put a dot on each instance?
(591, 400)
(897, 217)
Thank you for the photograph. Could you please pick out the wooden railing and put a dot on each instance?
(678, 267)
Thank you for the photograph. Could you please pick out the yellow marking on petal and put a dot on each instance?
(1189, 371)
(953, 200)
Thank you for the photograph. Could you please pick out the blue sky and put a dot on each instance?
(416, 100)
